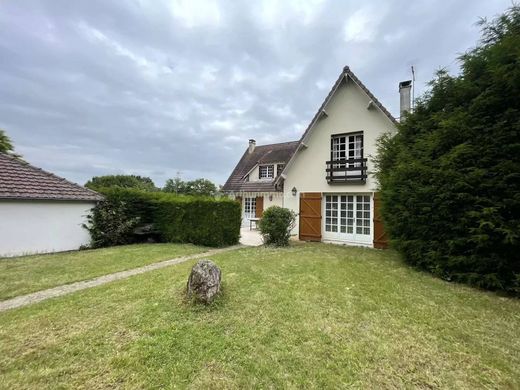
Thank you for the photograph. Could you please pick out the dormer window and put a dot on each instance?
(266, 172)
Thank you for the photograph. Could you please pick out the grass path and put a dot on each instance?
(27, 274)
(28, 299)
(309, 316)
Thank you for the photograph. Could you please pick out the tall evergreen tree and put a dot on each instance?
(450, 178)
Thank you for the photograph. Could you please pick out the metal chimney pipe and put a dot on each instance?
(405, 88)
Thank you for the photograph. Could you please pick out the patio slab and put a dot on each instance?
(250, 237)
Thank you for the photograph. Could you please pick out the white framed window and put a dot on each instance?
(266, 172)
(249, 208)
(347, 147)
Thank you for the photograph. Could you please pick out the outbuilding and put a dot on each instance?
(39, 211)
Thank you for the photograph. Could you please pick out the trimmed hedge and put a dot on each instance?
(167, 217)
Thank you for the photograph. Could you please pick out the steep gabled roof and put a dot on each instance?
(345, 73)
(288, 150)
(262, 154)
(20, 180)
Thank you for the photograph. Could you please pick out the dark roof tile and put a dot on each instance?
(262, 154)
(20, 180)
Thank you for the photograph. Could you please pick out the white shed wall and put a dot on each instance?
(28, 227)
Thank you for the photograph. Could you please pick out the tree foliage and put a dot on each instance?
(175, 186)
(122, 181)
(198, 187)
(6, 146)
(450, 178)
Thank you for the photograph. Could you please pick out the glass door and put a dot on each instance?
(348, 218)
(249, 210)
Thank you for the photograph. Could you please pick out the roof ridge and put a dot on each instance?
(278, 143)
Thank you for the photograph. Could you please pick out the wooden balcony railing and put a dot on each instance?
(352, 170)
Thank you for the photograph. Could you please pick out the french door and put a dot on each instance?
(348, 218)
(249, 210)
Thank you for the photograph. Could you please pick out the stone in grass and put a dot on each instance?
(204, 281)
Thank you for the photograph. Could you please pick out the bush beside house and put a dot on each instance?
(128, 215)
(276, 225)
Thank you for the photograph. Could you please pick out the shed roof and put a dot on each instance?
(23, 181)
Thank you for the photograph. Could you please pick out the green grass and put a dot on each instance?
(23, 275)
(310, 316)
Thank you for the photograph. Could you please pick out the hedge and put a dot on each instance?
(165, 217)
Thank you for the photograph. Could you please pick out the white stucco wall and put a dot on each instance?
(347, 112)
(28, 227)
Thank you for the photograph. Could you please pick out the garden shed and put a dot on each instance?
(39, 211)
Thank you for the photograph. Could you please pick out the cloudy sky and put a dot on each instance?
(94, 87)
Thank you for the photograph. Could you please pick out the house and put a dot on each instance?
(40, 212)
(325, 177)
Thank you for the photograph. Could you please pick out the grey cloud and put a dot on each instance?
(98, 87)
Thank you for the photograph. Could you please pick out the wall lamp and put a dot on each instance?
(294, 191)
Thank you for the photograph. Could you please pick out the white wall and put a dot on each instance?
(347, 112)
(42, 226)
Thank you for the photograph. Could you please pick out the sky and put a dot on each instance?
(164, 88)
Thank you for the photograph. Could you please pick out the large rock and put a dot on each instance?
(204, 281)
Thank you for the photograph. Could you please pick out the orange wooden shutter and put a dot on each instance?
(310, 216)
(259, 211)
(380, 236)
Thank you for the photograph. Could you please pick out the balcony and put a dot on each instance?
(352, 170)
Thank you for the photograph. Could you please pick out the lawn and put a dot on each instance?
(23, 275)
(310, 316)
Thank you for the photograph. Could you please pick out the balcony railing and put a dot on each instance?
(352, 170)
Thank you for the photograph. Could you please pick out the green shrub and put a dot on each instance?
(276, 225)
(173, 218)
(109, 224)
(450, 178)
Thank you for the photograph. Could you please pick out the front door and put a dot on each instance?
(348, 218)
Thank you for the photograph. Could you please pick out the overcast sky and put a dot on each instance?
(153, 88)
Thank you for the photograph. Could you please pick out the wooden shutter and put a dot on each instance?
(259, 211)
(239, 200)
(310, 216)
(380, 236)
